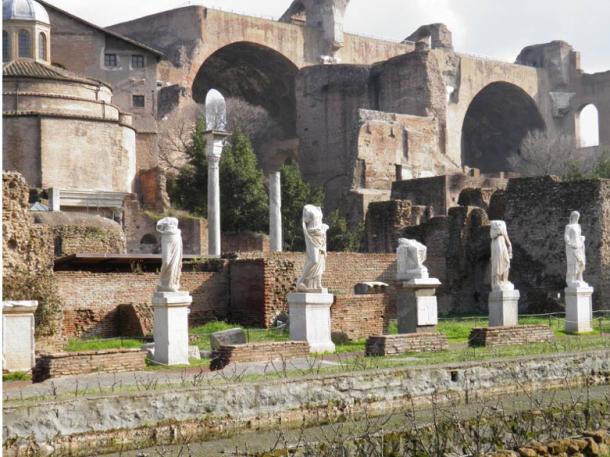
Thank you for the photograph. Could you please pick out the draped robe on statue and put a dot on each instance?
(171, 248)
(501, 253)
(575, 253)
(315, 242)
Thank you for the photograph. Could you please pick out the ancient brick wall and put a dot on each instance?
(90, 300)
(506, 336)
(27, 260)
(245, 242)
(77, 233)
(360, 316)
(259, 286)
(77, 363)
(259, 352)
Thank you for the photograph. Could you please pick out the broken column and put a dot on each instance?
(18, 343)
(215, 143)
(171, 306)
(309, 306)
(578, 294)
(416, 306)
(275, 211)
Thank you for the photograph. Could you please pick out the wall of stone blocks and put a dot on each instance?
(260, 352)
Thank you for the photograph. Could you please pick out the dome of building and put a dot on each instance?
(24, 10)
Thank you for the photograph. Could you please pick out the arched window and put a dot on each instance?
(42, 46)
(25, 44)
(587, 126)
(6, 46)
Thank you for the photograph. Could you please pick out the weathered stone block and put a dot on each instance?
(227, 338)
(400, 344)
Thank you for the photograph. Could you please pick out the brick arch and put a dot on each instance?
(255, 73)
(498, 118)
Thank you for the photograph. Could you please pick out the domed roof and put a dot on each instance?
(24, 10)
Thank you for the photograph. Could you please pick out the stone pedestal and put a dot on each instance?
(503, 308)
(171, 327)
(416, 305)
(310, 320)
(18, 335)
(579, 309)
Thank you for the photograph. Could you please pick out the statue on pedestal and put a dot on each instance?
(315, 249)
(501, 254)
(411, 256)
(575, 252)
(171, 249)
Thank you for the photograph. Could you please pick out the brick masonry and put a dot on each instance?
(400, 344)
(259, 352)
(90, 300)
(360, 316)
(505, 336)
(76, 363)
(260, 284)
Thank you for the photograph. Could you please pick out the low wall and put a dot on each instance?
(91, 300)
(360, 316)
(106, 422)
(506, 336)
(77, 363)
(259, 352)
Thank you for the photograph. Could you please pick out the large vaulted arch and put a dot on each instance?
(254, 73)
(498, 119)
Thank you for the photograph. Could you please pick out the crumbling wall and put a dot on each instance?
(27, 260)
(77, 233)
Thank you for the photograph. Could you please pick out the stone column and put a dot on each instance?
(54, 199)
(275, 211)
(215, 143)
(18, 335)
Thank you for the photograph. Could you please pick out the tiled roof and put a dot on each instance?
(33, 69)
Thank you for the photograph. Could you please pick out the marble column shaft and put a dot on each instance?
(214, 248)
(275, 212)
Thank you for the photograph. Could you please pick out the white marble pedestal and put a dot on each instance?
(416, 305)
(171, 327)
(18, 343)
(504, 308)
(579, 309)
(310, 320)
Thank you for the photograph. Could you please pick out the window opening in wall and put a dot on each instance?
(111, 60)
(6, 46)
(137, 61)
(138, 101)
(25, 44)
(588, 126)
(42, 46)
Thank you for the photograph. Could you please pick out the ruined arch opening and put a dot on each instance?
(253, 73)
(587, 126)
(497, 121)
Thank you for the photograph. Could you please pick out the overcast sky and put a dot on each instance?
(493, 28)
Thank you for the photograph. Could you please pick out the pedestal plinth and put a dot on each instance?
(503, 308)
(18, 335)
(310, 320)
(416, 305)
(171, 329)
(579, 309)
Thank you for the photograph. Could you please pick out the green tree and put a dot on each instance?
(296, 193)
(243, 199)
(342, 238)
(244, 203)
(189, 190)
(602, 167)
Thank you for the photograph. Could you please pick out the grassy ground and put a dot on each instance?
(102, 344)
(17, 376)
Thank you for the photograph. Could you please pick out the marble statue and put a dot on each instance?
(171, 250)
(501, 254)
(411, 256)
(575, 252)
(315, 249)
